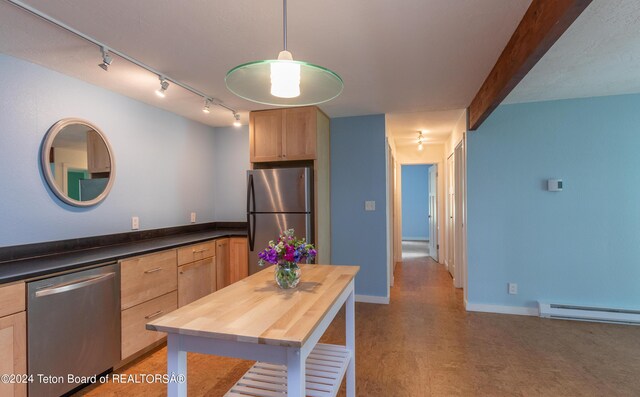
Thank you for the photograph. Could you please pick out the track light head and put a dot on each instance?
(164, 84)
(237, 123)
(207, 105)
(106, 59)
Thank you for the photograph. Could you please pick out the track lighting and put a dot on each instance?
(106, 59)
(164, 84)
(237, 123)
(419, 140)
(207, 104)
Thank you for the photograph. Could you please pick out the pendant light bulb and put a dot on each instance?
(164, 84)
(285, 76)
(237, 122)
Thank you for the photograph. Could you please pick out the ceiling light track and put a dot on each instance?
(106, 51)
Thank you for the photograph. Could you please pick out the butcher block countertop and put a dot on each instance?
(256, 310)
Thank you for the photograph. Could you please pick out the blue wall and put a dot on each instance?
(232, 162)
(415, 202)
(358, 174)
(581, 245)
(164, 162)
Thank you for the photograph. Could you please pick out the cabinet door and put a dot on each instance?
(194, 281)
(238, 259)
(300, 134)
(97, 154)
(222, 263)
(265, 135)
(13, 350)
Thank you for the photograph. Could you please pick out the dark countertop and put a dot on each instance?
(44, 265)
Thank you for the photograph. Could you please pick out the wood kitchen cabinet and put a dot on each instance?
(148, 289)
(297, 137)
(98, 159)
(222, 263)
(238, 259)
(196, 272)
(13, 338)
(285, 134)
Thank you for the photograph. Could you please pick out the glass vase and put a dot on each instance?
(287, 274)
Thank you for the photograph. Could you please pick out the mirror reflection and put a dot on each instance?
(79, 162)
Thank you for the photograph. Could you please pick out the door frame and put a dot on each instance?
(434, 238)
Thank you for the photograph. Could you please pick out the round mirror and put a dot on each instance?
(77, 162)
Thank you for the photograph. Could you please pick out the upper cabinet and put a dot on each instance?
(285, 134)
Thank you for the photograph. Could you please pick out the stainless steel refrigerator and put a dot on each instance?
(277, 199)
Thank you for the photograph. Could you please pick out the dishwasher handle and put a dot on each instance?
(76, 284)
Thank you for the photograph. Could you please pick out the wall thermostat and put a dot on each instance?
(554, 185)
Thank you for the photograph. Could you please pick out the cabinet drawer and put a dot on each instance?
(135, 336)
(196, 252)
(12, 299)
(147, 277)
(196, 280)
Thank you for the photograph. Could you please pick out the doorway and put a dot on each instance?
(419, 211)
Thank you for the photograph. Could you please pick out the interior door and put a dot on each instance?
(460, 216)
(433, 212)
(451, 263)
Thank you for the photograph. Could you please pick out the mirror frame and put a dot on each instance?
(52, 133)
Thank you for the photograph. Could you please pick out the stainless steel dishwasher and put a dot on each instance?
(73, 323)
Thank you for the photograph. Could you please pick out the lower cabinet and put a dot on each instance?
(222, 263)
(135, 336)
(238, 259)
(13, 339)
(196, 280)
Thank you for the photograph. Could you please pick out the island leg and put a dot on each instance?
(176, 367)
(351, 343)
(296, 383)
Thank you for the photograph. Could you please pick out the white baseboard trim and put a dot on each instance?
(517, 310)
(381, 300)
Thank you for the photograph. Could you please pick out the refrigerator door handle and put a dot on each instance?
(251, 197)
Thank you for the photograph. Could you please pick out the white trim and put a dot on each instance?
(381, 300)
(517, 310)
(415, 238)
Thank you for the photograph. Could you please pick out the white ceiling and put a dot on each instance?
(437, 126)
(394, 56)
(598, 55)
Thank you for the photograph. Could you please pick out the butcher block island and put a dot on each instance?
(254, 319)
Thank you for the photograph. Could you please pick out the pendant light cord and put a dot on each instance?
(284, 22)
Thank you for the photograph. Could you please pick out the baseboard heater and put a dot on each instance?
(587, 313)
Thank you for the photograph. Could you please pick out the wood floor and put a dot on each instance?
(425, 344)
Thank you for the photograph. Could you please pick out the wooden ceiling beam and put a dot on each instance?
(543, 23)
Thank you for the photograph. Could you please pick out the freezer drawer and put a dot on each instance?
(266, 227)
(279, 190)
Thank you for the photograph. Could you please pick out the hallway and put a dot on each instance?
(425, 344)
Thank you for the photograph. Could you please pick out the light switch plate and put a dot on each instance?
(369, 205)
(135, 223)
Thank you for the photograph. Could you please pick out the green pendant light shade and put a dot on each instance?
(252, 81)
(283, 81)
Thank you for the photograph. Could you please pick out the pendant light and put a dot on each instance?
(284, 81)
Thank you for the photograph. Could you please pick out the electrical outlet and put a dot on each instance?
(193, 217)
(513, 289)
(135, 223)
(369, 205)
